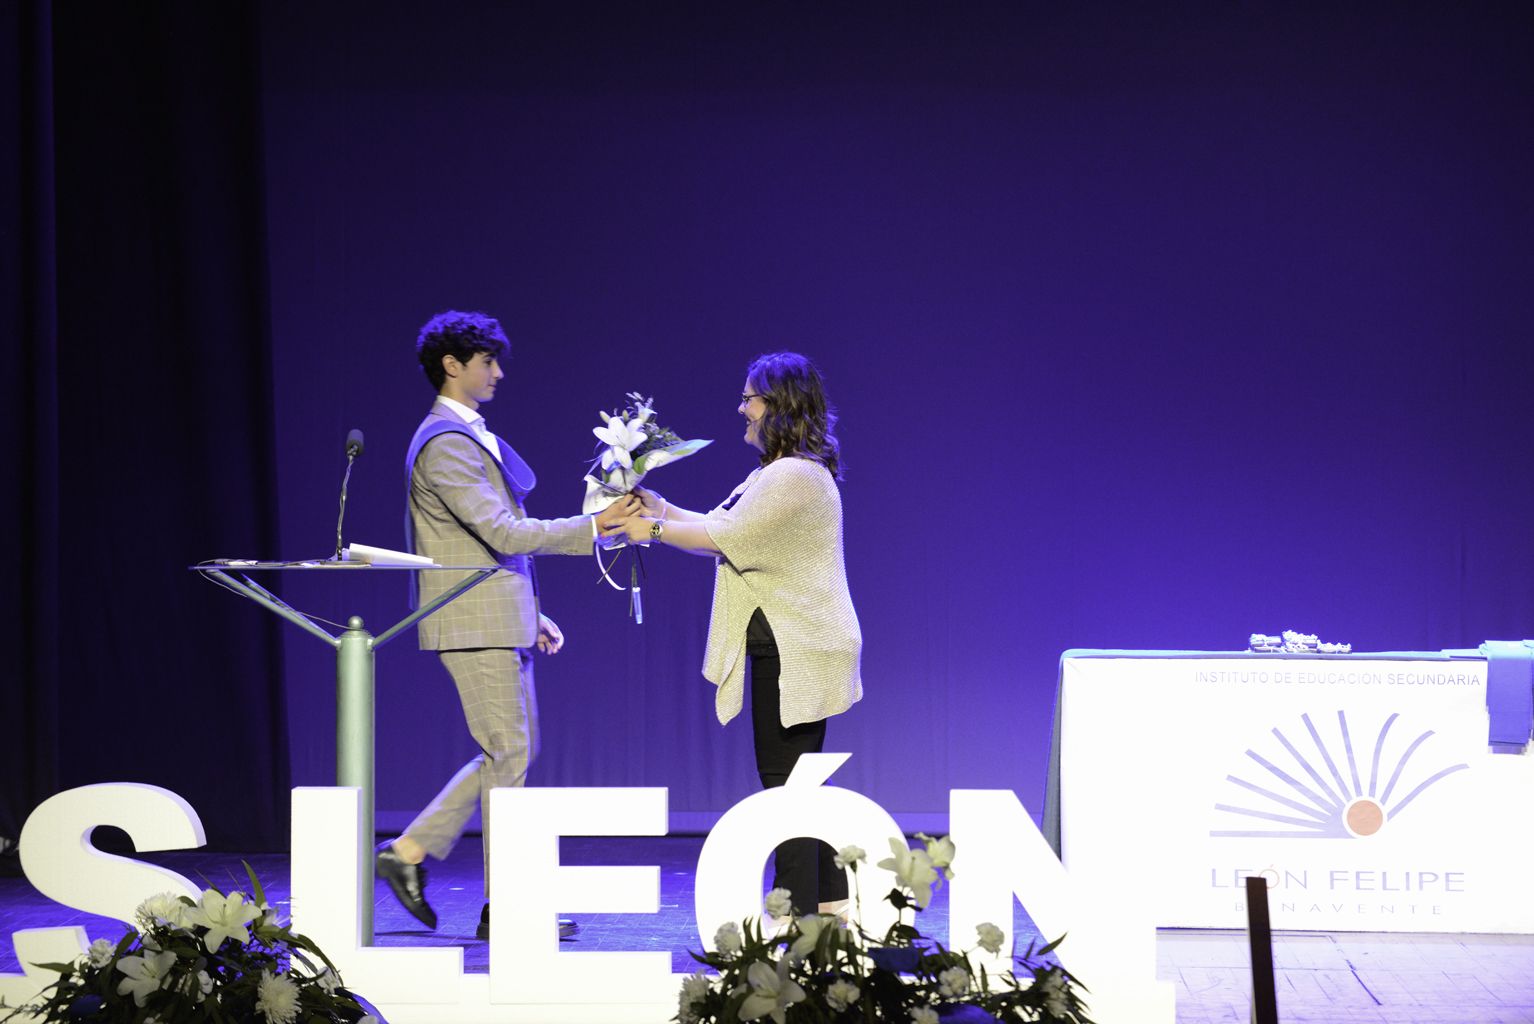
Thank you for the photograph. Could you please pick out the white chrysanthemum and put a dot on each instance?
(727, 938)
(780, 903)
(953, 982)
(991, 937)
(695, 988)
(161, 908)
(924, 1015)
(101, 952)
(1052, 988)
(277, 998)
(842, 994)
(850, 856)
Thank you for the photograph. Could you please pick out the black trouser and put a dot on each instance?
(803, 866)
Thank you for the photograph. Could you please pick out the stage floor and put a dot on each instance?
(1322, 976)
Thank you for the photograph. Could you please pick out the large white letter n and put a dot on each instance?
(1111, 945)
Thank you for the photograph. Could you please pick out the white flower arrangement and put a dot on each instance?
(1292, 642)
(821, 969)
(225, 958)
(632, 445)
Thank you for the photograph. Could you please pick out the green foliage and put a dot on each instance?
(842, 955)
(276, 977)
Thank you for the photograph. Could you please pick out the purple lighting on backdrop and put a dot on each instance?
(1147, 331)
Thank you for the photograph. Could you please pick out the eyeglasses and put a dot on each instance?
(746, 398)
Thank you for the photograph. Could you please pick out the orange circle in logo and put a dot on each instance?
(1365, 817)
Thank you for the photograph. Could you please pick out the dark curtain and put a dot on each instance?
(30, 702)
(141, 408)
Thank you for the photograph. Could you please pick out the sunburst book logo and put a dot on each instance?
(1322, 794)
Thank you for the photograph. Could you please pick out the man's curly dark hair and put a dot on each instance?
(799, 418)
(460, 335)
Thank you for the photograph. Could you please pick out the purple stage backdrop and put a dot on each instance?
(1149, 327)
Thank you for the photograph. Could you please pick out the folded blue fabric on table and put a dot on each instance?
(1509, 692)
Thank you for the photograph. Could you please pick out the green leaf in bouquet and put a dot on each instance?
(258, 894)
(670, 453)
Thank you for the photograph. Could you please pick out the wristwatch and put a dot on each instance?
(656, 529)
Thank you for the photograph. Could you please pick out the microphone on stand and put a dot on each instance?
(353, 451)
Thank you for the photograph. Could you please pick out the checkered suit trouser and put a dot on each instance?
(500, 705)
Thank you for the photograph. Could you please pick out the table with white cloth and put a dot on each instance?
(1374, 792)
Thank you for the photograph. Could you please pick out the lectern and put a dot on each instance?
(354, 675)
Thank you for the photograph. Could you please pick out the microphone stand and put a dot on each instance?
(353, 449)
(344, 481)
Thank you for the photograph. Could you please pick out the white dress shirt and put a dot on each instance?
(476, 423)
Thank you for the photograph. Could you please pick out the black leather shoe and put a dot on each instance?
(408, 882)
(567, 927)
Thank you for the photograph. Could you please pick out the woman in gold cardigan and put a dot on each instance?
(781, 603)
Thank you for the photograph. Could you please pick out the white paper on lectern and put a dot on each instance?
(383, 556)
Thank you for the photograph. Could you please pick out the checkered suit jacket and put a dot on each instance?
(463, 512)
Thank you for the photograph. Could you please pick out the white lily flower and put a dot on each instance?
(621, 437)
(617, 456)
(198, 985)
(145, 974)
(913, 868)
(772, 992)
(810, 928)
(268, 916)
(941, 851)
(991, 937)
(225, 917)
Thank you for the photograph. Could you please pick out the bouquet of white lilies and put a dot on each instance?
(632, 445)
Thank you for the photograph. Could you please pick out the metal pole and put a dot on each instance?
(1260, 938)
(354, 749)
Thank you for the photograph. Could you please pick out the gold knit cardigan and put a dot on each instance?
(781, 544)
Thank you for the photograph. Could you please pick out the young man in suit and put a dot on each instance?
(467, 488)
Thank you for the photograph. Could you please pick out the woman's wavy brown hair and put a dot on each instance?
(799, 419)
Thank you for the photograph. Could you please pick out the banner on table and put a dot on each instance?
(1363, 791)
